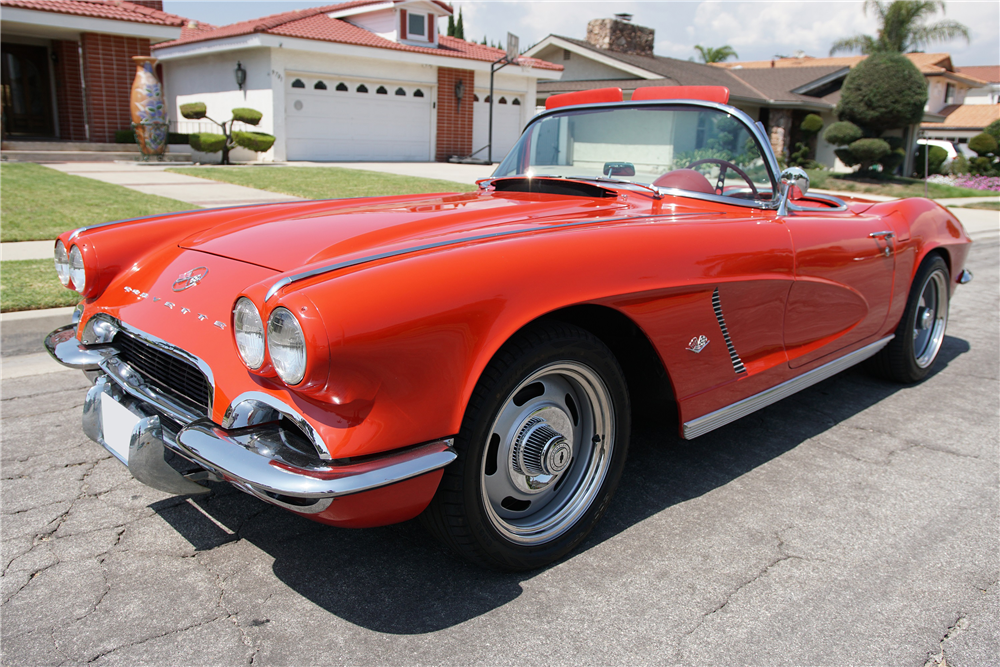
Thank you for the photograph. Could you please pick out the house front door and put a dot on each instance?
(26, 93)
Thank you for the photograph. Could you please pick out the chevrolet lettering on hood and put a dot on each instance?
(474, 358)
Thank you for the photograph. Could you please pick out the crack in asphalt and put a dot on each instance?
(939, 659)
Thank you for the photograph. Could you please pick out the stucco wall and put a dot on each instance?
(211, 79)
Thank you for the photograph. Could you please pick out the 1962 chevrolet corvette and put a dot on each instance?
(473, 358)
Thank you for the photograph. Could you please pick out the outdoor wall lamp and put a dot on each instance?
(459, 91)
(241, 74)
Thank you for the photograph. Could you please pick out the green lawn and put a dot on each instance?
(988, 205)
(39, 203)
(323, 182)
(893, 187)
(30, 284)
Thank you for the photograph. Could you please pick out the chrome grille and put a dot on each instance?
(177, 378)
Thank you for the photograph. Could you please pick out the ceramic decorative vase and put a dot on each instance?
(149, 119)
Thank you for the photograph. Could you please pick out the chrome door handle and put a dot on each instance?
(885, 236)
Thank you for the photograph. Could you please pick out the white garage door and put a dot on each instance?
(335, 119)
(506, 123)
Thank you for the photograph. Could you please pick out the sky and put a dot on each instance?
(756, 30)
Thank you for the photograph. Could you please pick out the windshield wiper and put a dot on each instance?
(602, 179)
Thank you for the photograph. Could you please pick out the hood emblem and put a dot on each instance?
(189, 279)
(698, 344)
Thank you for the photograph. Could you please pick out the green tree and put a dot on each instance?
(885, 91)
(451, 26)
(460, 26)
(717, 54)
(902, 28)
(208, 142)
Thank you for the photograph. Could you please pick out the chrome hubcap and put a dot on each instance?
(931, 319)
(548, 452)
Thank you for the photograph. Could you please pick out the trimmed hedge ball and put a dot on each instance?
(207, 142)
(255, 141)
(842, 133)
(248, 116)
(194, 110)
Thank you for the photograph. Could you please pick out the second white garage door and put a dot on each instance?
(336, 119)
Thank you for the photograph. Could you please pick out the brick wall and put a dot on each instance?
(109, 70)
(454, 123)
(69, 91)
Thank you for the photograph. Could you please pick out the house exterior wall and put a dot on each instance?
(937, 88)
(109, 71)
(454, 120)
(211, 79)
(989, 94)
(69, 91)
(580, 68)
(383, 23)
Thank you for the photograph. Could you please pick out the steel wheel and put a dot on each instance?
(931, 319)
(548, 453)
(910, 354)
(540, 452)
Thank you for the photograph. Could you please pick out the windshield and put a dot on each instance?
(695, 149)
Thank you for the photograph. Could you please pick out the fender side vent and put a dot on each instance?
(717, 307)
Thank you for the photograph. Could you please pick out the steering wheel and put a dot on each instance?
(725, 164)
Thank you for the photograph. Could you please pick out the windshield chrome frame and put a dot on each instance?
(754, 127)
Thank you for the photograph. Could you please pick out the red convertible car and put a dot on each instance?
(473, 357)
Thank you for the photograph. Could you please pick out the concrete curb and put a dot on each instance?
(66, 312)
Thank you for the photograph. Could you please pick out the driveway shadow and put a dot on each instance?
(397, 579)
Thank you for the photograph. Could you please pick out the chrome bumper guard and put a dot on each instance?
(260, 460)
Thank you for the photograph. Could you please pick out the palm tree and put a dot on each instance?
(715, 55)
(902, 28)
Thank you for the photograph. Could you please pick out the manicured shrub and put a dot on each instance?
(207, 142)
(811, 124)
(869, 151)
(194, 110)
(960, 165)
(885, 91)
(255, 141)
(993, 129)
(248, 116)
(935, 159)
(842, 133)
(984, 144)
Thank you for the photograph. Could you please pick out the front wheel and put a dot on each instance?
(541, 449)
(909, 356)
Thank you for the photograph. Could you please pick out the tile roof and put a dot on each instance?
(115, 10)
(314, 24)
(990, 73)
(966, 117)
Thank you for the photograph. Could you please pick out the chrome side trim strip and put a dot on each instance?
(288, 280)
(733, 355)
(730, 413)
(243, 458)
(253, 408)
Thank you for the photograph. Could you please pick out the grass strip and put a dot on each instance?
(31, 284)
(987, 205)
(39, 203)
(323, 182)
(890, 187)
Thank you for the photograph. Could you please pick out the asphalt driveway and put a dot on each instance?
(854, 523)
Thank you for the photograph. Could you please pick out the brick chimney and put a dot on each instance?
(621, 35)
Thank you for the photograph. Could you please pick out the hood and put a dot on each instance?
(286, 239)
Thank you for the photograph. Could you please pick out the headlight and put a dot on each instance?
(287, 346)
(249, 331)
(62, 263)
(76, 271)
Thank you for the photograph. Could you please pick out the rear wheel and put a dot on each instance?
(909, 356)
(541, 449)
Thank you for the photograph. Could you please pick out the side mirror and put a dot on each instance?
(791, 178)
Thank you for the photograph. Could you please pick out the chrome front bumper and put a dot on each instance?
(257, 459)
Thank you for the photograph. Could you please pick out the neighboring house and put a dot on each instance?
(952, 93)
(362, 80)
(619, 53)
(67, 66)
(988, 93)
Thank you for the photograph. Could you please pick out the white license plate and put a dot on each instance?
(118, 423)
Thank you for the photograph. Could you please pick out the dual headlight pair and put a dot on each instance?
(285, 341)
(69, 266)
